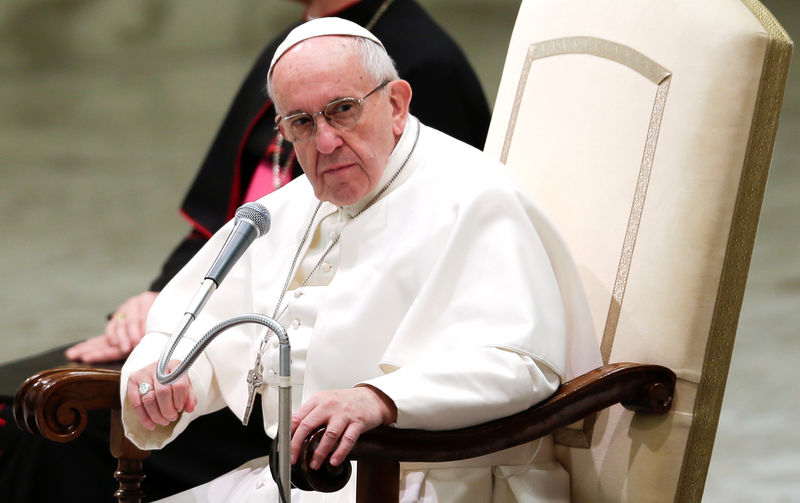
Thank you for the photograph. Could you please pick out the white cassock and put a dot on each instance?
(451, 293)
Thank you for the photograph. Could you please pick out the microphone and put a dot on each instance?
(252, 221)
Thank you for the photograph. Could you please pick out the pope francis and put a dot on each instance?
(418, 285)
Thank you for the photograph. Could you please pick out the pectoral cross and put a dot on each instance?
(255, 379)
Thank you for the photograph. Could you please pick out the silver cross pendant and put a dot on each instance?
(255, 379)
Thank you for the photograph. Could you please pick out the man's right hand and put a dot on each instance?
(122, 333)
(161, 404)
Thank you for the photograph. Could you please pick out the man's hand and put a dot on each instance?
(346, 414)
(122, 333)
(162, 404)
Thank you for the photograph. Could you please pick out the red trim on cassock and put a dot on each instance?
(235, 188)
(199, 228)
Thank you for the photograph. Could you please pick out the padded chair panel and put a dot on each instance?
(612, 137)
(644, 129)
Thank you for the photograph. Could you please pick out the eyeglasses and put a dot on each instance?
(343, 113)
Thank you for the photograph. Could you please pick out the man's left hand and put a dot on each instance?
(346, 414)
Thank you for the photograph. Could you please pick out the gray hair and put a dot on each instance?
(374, 59)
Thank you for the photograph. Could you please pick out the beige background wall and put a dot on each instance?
(107, 108)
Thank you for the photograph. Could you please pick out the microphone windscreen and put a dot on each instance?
(256, 213)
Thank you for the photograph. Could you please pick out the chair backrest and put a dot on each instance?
(645, 129)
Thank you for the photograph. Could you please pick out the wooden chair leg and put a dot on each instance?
(130, 472)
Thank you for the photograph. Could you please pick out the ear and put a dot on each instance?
(399, 99)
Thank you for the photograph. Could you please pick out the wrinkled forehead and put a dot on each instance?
(326, 52)
(323, 67)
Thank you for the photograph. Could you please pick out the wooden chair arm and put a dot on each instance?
(642, 388)
(55, 404)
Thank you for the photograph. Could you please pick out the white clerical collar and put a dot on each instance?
(396, 161)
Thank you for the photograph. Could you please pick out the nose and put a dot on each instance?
(327, 136)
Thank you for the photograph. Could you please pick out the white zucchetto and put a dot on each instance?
(321, 27)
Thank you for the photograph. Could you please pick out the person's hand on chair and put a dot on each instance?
(122, 333)
(346, 414)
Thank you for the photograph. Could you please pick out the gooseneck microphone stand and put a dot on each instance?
(284, 372)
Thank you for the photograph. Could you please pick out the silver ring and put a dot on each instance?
(145, 388)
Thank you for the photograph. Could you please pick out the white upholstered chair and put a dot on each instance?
(645, 130)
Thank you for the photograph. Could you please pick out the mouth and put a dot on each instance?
(337, 169)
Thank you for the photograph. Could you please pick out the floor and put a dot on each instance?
(106, 109)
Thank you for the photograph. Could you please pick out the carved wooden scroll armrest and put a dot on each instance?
(642, 388)
(55, 404)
